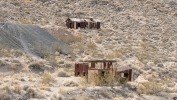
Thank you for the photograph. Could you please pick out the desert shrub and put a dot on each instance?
(68, 65)
(53, 62)
(104, 79)
(2, 63)
(4, 50)
(105, 94)
(41, 50)
(70, 84)
(47, 78)
(83, 84)
(62, 91)
(15, 67)
(99, 40)
(36, 66)
(123, 80)
(17, 89)
(110, 55)
(17, 53)
(152, 87)
(77, 48)
(57, 47)
(57, 96)
(62, 74)
(4, 95)
(44, 21)
(91, 45)
(34, 93)
(45, 87)
(81, 97)
(31, 93)
(25, 21)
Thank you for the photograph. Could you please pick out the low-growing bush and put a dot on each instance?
(152, 87)
(4, 95)
(70, 84)
(47, 78)
(17, 53)
(62, 74)
(36, 66)
(91, 46)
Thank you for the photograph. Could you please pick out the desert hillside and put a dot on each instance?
(136, 33)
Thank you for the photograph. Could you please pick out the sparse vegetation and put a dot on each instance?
(152, 87)
(140, 33)
(47, 78)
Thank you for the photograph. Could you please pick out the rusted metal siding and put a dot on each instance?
(81, 69)
(92, 65)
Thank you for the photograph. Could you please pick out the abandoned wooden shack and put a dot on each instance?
(103, 72)
(87, 23)
(125, 73)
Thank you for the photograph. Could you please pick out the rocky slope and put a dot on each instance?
(30, 38)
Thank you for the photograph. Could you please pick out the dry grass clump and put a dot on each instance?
(47, 78)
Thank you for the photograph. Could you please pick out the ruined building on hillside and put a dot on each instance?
(102, 72)
(87, 23)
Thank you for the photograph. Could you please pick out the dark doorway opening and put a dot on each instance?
(83, 73)
(79, 25)
(78, 73)
(102, 73)
(126, 75)
(70, 25)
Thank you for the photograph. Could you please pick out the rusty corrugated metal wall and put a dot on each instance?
(81, 69)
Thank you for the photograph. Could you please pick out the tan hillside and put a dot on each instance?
(136, 33)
